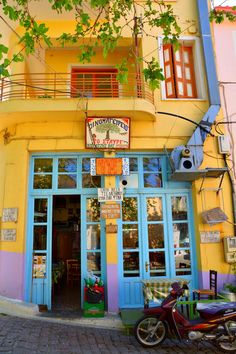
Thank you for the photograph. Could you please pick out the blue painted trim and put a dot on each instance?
(209, 57)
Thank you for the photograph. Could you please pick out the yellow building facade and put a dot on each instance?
(160, 169)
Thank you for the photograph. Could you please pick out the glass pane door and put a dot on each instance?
(181, 235)
(40, 259)
(155, 266)
(93, 247)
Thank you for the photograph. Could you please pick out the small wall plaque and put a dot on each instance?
(8, 235)
(9, 214)
(110, 194)
(111, 229)
(110, 211)
(210, 237)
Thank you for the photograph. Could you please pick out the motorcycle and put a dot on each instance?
(217, 323)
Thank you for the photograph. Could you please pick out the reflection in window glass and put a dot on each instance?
(155, 236)
(179, 208)
(86, 164)
(133, 164)
(131, 264)
(42, 165)
(152, 180)
(157, 263)
(182, 262)
(154, 209)
(42, 181)
(181, 235)
(40, 237)
(129, 209)
(67, 181)
(93, 237)
(130, 236)
(93, 209)
(67, 165)
(40, 210)
(94, 262)
(152, 164)
(89, 181)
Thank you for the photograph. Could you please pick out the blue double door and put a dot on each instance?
(155, 243)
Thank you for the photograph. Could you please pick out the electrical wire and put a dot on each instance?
(187, 119)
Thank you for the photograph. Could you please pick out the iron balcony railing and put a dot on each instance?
(75, 85)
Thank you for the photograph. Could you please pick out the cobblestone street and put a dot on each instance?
(28, 336)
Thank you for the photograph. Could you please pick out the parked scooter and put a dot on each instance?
(217, 323)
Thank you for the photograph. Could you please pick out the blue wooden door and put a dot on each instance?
(155, 242)
(38, 287)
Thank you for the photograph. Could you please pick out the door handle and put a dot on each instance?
(146, 266)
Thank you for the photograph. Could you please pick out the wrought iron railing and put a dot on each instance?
(76, 85)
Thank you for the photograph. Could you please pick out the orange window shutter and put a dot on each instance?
(169, 71)
(184, 70)
(179, 74)
(189, 73)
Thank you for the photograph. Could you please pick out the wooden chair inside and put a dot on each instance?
(72, 271)
(209, 293)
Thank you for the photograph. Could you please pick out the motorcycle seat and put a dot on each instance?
(207, 310)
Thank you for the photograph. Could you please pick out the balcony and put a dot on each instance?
(99, 92)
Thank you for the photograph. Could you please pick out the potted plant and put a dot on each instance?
(229, 291)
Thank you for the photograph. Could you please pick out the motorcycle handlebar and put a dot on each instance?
(177, 290)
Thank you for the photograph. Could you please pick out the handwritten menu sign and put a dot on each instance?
(210, 237)
(9, 214)
(8, 235)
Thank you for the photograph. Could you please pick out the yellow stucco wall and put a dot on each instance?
(48, 131)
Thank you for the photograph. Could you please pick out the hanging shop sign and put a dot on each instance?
(110, 194)
(109, 166)
(107, 133)
(110, 211)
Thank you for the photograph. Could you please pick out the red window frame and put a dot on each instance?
(177, 70)
(95, 85)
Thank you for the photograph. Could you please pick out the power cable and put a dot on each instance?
(188, 120)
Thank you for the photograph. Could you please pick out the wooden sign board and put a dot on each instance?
(110, 211)
(111, 229)
(109, 166)
(107, 133)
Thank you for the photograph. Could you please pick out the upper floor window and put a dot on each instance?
(94, 82)
(180, 79)
(183, 68)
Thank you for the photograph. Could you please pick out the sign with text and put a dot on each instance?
(107, 132)
(109, 166)
(106, 166)
(9, 214)
(111, 229)
(210, 237)
(110, 194)
(110, 211)
(8, 235)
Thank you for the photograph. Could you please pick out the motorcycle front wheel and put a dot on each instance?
(227, 343)
(149, 331)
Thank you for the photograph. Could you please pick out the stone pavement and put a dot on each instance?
(45, 335)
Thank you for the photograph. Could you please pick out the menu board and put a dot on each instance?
(39, 266)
